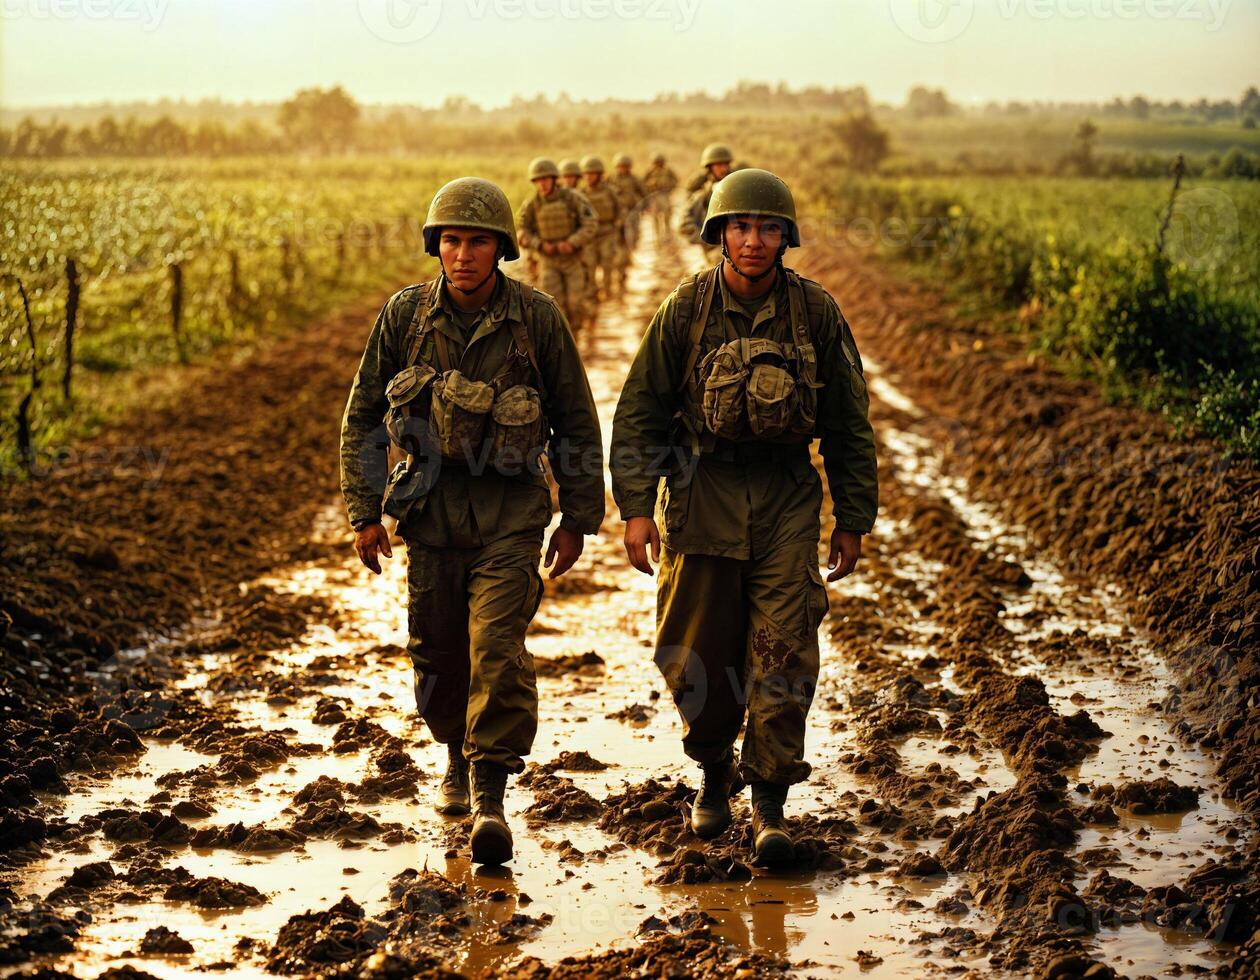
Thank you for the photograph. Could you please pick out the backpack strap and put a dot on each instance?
(706, 287)
(521, 330)
(797, 312)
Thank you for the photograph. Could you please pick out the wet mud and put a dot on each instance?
(1015, 771)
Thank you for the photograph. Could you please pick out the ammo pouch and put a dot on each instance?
(458, 415)
(516, 428)
(757, 388)
(407, 418)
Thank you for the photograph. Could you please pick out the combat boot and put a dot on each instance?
(711, 809)
(491, 838)
(452, 798)
(772, 845)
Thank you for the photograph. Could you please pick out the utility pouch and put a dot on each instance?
(458, 413)
(516, 428)
(406, 420)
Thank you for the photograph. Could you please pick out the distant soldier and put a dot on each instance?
(571, 177)
(557, 223)
(475, 374)
(660, 182)
(716, 160)
(633, 198)
(607, 206)
(740, 369)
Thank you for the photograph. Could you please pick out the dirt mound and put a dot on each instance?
(1160, 795)
(557, 799)
(161, 941)
(588, 663)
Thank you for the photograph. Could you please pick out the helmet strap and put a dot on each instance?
(778, 261)
(488, 277)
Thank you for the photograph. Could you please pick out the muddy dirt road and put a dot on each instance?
(997, 789)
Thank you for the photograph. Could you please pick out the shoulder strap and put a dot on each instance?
(797, 309)
(521, 330)
(707, 286)
(420, 326)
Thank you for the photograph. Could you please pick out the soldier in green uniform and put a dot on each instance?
(558, 223)
(607, 207)
(474, 375)
(740, 368)
(716, 161)
(571, 177)
(659, 182)
(632, 196)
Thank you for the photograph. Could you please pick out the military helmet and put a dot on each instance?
(592, 165)
(543, 167)
(471, 202)
(749, 191)
(716, 153)
(570, 168)
(659, 159)
(622, 160)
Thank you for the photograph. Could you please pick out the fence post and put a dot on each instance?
(177, 309)
(72, 316)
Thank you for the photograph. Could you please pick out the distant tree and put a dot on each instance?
(320, 119)
(1249, 104)
(1140, 107)
(1086, 133)
(923, 102)
(865, 141)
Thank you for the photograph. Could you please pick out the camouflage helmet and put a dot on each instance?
(659, 159)
(716, 153)
(543, 167)
(750, 191)
(622, 160)
(570, 168)
(592, 165)
(471, 202)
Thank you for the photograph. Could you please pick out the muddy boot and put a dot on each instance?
(711, 809)
(772, 845)
(491, 838)
(452, 798)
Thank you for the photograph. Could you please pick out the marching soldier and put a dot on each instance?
(740, 368)
(476, 375)
(570, 177)
(607, 207)
(631, 194)
(660, 182)
(716, 161)
(557, 223)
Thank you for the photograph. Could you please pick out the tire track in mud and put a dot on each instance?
(965, 811)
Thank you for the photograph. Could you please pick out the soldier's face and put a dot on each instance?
(623, 169)
(570, 180)
(592, 178)
(468, 254)
(545, 185)
(754, 241)
(719, 170)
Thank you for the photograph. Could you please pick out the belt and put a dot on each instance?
(758, 452)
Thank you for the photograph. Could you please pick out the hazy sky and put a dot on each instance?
(58, 51)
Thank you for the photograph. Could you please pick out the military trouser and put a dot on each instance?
(662, 216)
(739, 637)
(467, 613)
(605, 249)
(564, 276)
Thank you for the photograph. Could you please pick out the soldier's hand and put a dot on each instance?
(640, 532)
(564, 548)
(549, 248)
(370, 542)
(846, 548)
(565, 248)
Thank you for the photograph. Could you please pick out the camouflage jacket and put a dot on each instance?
(463, 508)
(660, 179)
(691, 220)
(584, 219)
(629, 190)
(705, 509)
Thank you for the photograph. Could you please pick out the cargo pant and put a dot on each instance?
(564, 277)
(662, 216)
(467, 613)
(605, 250)
(738, 638)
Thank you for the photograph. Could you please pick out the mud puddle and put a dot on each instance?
(337, 707)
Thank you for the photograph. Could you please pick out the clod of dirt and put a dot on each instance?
(161, 941)
(557, 799)
(212, 892)
(238, 837)
(633, 714)
(572, 663)
(581, 761)
(1142, 797)
(150, 826)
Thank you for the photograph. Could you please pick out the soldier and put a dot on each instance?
(660, 182)
(632, 195)
(607, 206)
(558, 223)
(477, 372)
(716, 160)
(570, 177)
(739, 369)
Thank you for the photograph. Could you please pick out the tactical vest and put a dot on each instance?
(555, 216)
(748, 388)
(437, 414)
(604, 201)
